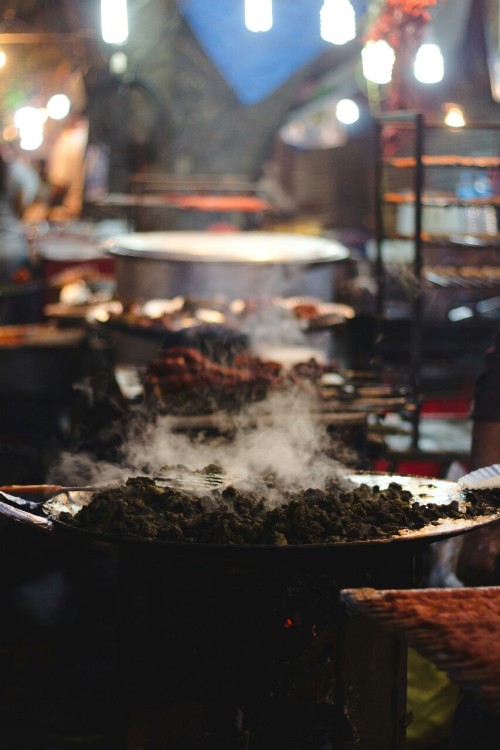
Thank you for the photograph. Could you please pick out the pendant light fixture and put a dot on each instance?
(377, 58)
(114, 21)
(258, 15)
(429, 64)
(337, 21)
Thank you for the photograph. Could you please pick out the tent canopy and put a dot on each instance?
(256, 64)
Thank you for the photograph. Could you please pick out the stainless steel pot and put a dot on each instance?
(249, 265)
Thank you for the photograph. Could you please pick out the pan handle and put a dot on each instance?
(23, 516)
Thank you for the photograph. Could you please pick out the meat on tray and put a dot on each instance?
(183, 366)
(184, 369)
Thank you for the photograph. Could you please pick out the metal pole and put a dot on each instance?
(416, 325)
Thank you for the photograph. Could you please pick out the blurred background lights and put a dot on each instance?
(58, 106)
(377, 59)
(9, 133)
(337, 21)
(454, 115)
(114, 21)
(3, 58)
(31, 140)
(429, 64)
(258, 15)
(30, 121)
(118, 63)
(25, 118)
(347, 111)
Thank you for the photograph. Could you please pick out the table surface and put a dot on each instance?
(457, 629)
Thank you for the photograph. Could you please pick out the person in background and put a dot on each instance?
(485, 445)
(14, 251)
(20, 289)
(66, 169)
(22, 180)
(474, 558)
(479, 558)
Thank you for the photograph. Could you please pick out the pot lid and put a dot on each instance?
(239, 247)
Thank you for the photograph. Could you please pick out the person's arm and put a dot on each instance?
(485, 445)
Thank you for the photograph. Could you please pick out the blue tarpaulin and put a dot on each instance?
(256, 64)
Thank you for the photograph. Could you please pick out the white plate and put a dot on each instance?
(487, 476)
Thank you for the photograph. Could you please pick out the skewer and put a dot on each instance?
(45, 489)
(36, 489)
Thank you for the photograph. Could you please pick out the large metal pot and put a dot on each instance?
(249, 265)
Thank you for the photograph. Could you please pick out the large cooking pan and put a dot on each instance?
(250, 265)
(47, 516)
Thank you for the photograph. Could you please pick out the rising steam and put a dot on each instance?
(288, 442)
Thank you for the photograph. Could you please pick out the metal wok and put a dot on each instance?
(47, 517)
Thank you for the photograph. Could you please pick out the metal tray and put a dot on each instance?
(440, 492)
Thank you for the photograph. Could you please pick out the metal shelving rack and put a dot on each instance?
(418, 163)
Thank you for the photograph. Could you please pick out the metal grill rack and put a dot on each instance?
(436, 203)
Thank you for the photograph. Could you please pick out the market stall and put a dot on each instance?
(228, 469)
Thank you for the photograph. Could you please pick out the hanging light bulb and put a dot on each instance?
(58, 106)
(118, 63)
(454, 115)
(30, 121)
(429, 64)
(377, 59)
(347, 111)
(258, 15)
(114, 21)
(337, 21)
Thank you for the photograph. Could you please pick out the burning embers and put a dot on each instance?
(266, 514)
